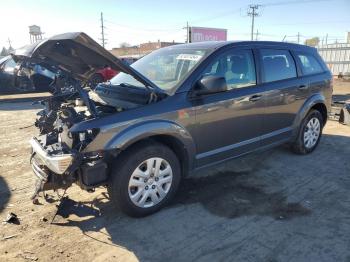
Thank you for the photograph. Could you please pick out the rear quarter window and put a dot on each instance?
(277, 64)
(309, 64)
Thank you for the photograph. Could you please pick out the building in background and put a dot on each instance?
(337, 56)
(139, 50)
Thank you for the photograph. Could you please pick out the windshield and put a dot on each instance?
(164, 67)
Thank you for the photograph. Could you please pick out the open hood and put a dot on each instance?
(76, 53)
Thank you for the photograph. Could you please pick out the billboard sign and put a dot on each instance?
(200, 34)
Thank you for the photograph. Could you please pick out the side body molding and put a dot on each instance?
(309, 103)
(151, 128)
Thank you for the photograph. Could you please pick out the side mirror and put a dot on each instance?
(210, 85)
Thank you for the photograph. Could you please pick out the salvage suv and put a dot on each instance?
(179, 109)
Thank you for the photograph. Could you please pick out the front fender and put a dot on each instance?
(309, 103)
(147, 129)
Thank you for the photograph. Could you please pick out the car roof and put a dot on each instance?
(213, 45)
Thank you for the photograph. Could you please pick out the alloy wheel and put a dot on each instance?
(150, 182)
(312, 132)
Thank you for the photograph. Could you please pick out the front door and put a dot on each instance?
(229, 123)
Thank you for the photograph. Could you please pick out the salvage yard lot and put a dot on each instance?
(274, 206)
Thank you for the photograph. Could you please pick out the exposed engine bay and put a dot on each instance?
(64, 110)
(58, 159)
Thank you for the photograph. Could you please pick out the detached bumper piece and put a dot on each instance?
(340, 112)
(344, 117)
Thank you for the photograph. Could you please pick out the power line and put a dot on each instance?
(144, 29)
(294, 2)
(216, 16)
(252, 13)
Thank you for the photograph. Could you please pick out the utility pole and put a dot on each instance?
(9, 41)
(103, 39)
(252, 12)
(187, 32)
(256, 35)
(298, 37)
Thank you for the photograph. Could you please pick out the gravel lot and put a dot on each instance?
(274, 206)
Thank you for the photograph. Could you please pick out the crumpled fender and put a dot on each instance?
(151, 128)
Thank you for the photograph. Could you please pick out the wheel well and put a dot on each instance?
(174, 144)
(323, 110)
(178, 148)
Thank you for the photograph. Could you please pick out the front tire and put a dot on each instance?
(144, 179)
(309, 134)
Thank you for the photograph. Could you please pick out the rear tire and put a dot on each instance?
(309, 135)
(136, 187)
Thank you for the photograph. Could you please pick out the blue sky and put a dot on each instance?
(141, 21)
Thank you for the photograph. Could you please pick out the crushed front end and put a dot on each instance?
(57, 157)
(52, 165)
(60, 154)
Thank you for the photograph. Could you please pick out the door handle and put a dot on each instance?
(303, 87)
(255, 98)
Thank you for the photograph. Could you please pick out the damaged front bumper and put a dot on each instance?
(55, 167)
(57, 163)
(52, 167)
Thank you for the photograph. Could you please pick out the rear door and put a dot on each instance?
(229, 123)
(284, 94)
(314, 74)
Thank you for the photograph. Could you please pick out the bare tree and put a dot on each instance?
(124, 45)
(312, 41)
(4, 52)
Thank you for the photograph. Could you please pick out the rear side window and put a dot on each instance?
(309, 64)
(278, 65)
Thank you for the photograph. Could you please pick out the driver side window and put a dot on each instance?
(237, 66)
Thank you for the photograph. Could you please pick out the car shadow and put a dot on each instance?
(245, 194)
(4, 194)
(16, 106)
(232, 195)
(223, 195)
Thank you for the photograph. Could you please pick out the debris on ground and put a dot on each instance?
(32, 258)
(35, 201)
(9, 237)
(11, 219)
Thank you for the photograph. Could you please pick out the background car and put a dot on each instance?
(102, 75)
(14, 79)
(107, 73)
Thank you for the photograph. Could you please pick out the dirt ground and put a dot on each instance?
(274, 206)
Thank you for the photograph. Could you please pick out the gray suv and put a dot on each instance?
(176, 110)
